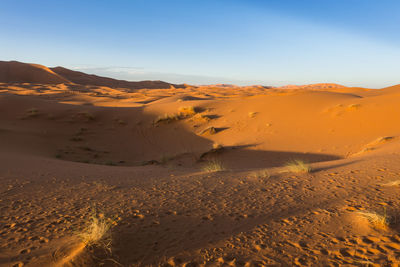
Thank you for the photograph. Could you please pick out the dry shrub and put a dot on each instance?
(97, 232)
(260, 174)
(252, 114)
(377, 221)
(187, 111)
(167, 118)
(213, 165)
(298, 166)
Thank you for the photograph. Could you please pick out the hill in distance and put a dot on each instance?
(18, 72)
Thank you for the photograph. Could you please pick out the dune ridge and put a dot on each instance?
(18, 72)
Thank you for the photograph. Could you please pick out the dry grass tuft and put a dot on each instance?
(86, 116)
(97, 232)
(298, 166)
(30, 113)
(260, 174)
(379, 222)
(183, 113)
(167, 118)
(392, 183)
(252, 114)
(354, 106)
(209, 130)
(187, 111)
(201, 118)
(217, 146)
(384, 139)
(213, 165)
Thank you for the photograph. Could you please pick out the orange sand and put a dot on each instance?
(72, 141)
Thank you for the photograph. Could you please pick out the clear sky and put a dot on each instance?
(270, 42)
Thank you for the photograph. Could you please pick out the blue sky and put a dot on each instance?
(270, 42)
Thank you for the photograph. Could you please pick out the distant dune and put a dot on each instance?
(90, 79)
(18, 72)
(14, 71)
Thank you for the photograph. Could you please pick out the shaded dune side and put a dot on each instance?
(14, 71)
(18, 72)
(90, 79)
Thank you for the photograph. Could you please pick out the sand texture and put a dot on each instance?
(195, 175)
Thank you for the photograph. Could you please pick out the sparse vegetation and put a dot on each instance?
(213, 165)
(97, 231)
(260, 174)
(252, 114)
(354, 106)
(86, 115)
(384, 139)
(217, 146)
(167, 118)
(30, 113)
(201, 118)
(183, 112)
(298, 166)
(377, 221)
(187, 111)
(392, 183)
(209, 130)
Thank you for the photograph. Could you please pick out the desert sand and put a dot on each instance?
(195, 175)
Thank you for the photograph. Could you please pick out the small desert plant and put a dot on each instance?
(187, 111)
(217, 146)
(86, 115)
(167, 118)
(260, 174)
(213, 165)
(354, 106)
(384, 139)
(97, 231)
(209, 130)
(298, 166)
(392, 183)
(252, 114)
(380, 222)
(201, 118)
(32, 112)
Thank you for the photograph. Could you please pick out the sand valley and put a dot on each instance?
(182, 175)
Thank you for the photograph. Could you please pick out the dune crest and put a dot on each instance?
(14, 71)
(18, 72)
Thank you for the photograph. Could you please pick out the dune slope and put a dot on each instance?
(14, 71)
(144, 160)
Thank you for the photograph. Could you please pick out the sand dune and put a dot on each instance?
(87, 79)
(14, 71)
(18, 72)
(145, 159)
